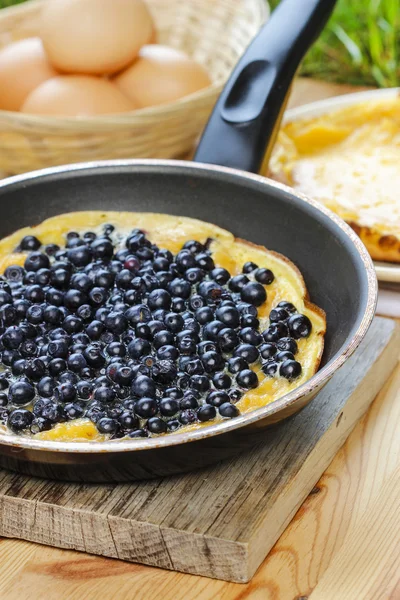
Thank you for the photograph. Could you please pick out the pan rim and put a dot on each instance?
(176, 439)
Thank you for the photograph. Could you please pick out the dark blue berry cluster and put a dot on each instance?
(137, 340)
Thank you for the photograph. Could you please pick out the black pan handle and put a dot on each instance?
(242, 128)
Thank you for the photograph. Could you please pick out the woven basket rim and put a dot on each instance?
(135, 117)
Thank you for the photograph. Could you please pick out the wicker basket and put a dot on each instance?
(213, 32)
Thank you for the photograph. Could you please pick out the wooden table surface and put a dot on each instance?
(341, 545)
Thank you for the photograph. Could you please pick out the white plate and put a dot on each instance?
(384, 271)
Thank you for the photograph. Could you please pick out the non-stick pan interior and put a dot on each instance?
(333, 269)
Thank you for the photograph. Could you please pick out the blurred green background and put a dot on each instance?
(360, 45)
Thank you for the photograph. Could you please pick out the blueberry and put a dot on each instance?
(18, 367)
(156, 425)
(128, 421)
(270, 368)
(228, 315)
(116, 322)
(237, 364)
(268, 350)
(275, 332)
(43, 277)
(14, 273)
(200, 383)
(164, 371)
(194, 275)
(95, 329)
(204, 315)
(60, 278)
(189, 400)
(57, 366)
(137, 433)
(73, 410)
(146, 407)
(204, 261)
(74, 298)
(80, 256)
(249, 321)
(5, 297)
(40, 424)
(212, 329)
(97, 296)
(143, 386)
(193, 246)
(45, 387)
(55, 297)
(288, 306)
(58, 348)
(138, 314)
(169, 407)
(94, 356)
(12, 337)
(51, 249)
(186, 342)
(48, 409)
(290, 369)
(283, 355)
(8, 357)
(212, 361)
(247, 379)
(72, 324)
(251, 336)
(179, 287)
(264, 276)
(65, 392)
(299, 326)
(227, 339)
(21, 392)
(249, 267)
(220, 276)
(163, 338)
(174, 322)
(107, 425)
(228, 410)
(34, 293)
(19, 419)
(222, 381)
(254, 293)
(84, 389)
(81, 282)
(248, 352)
(287, 344)
(104, 394)
(36, 261)
(187, 416)
(238, 282)
(21, 306)
(185, 260)
(28, 348)
(34, 314)
(29, 243)
(139, 347)
(76, 362)
(178, 305)
(194, 367)
(174, 392)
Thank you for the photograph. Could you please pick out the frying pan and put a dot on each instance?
(337, 269)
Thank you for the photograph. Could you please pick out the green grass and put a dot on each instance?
(360, 45)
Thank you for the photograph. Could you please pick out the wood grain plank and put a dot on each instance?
(367, 566)
(233, 513)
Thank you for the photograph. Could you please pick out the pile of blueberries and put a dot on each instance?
(137, 340)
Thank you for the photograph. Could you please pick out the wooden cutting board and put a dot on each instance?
(219, 522)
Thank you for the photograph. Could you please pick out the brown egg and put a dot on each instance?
(23, 66)
(77, 96)
(94, 36)
(161, 74)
